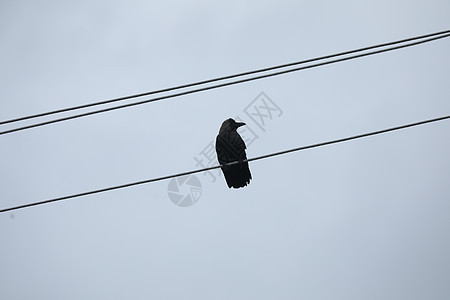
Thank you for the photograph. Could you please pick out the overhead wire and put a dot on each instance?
(435, 36)
(228, 164)
(217, 79)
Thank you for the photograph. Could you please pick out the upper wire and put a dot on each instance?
(435, 36)
(229, 164)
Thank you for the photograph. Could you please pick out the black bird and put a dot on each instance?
(230, 147)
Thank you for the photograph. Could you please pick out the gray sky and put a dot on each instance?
(367, 219)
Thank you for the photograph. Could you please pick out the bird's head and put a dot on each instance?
(232, 124)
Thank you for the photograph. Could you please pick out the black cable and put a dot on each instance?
(217, 79)
(228, 164)
(232, 82)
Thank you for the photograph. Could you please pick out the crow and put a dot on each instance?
(230, 147)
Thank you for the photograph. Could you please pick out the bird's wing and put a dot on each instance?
(230, 147)
(221, 149)
(238, 145)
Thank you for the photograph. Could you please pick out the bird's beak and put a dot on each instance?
(239, 124)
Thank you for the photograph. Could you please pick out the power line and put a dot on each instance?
(228, 164)
(218, 79)
(235, 82)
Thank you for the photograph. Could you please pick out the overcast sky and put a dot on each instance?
(366, 219)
